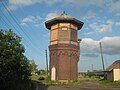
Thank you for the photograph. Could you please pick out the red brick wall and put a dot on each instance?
(65, 59)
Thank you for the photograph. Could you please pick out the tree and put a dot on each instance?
(33, 66)
(14, 66)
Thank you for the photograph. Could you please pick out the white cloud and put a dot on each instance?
(30, 19)
(11, 7)
(90, 15)
(81, 2)
(102, 28)
(50, 2)
(23, 2)
(89, 45)
(15, 4)
(90, 55)
(117, 23)
(99, 3)
(117, 14)
(110, 45)
(51, 15)
(30, 2)
(115, 5)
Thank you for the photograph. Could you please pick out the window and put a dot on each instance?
(64, 35)
(73, 35)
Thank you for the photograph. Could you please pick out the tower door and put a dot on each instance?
(53, 73)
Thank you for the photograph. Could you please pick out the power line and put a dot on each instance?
(6, 24)
(22, 11)
(9, 22)
(16, 21)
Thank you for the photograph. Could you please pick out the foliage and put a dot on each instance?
(33, 66)
(41, 72)
(14, 66)
(35, 77)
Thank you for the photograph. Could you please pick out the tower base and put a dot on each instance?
(64, 62)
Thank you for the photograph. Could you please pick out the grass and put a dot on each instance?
(82, 81)
(35, 77)
(110, 84)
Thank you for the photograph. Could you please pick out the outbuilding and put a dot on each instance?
(113, 71)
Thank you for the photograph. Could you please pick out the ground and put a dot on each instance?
(83, 83)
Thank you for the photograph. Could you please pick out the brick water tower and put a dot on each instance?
(64, 47)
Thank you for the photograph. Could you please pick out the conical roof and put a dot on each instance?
(63, 18)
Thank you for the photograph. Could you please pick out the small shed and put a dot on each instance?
(113, 71)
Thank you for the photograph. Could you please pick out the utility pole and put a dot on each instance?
(92, 67)
(105, 77)
(46, 61)
(102, 57)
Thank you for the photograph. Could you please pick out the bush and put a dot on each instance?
(41, 78)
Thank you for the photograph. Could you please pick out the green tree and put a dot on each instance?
(14, 66)
(33, 66)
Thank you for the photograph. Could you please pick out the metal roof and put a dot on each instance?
(113, 65)
(63, 18)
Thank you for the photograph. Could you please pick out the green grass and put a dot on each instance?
(82, 81)
(108, 83)
(35, 77)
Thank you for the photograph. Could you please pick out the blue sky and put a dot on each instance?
(101, 23)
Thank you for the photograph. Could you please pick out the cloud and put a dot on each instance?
(114, 6)
(50, 2)
(30, 19)
(92, 55)
(102, 28)
(117, 23)
(23, 2)
(90, 15)
(51, 15)
(81, 2)
(89, 45)
(110, 45)
(117, 14)
(11, 7)
(31, 2)
(99, 3)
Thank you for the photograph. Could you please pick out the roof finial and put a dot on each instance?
(63, 13)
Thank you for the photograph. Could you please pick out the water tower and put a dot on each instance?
(64, 47)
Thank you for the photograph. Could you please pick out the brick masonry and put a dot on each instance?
(64, 57)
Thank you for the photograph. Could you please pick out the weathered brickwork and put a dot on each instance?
(64, 47)
(65, 58)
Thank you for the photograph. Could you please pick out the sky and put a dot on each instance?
(101, 24)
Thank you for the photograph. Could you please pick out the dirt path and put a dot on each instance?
(42, 87)
(83, 86)
(86, 88)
